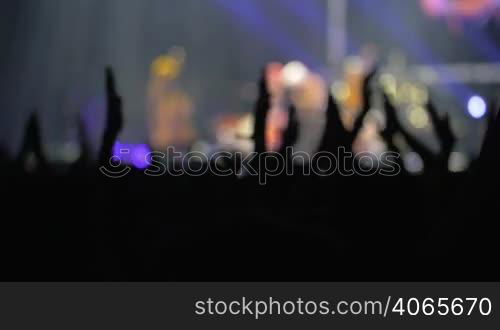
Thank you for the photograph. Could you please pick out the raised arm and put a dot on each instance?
(417, 146)
(367, 104)
(114, 118)
(261, 110)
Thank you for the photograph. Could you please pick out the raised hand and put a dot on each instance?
(85, 151)
(490, 151)
(443, 131)
(336, 135)
(434, 162)
(114, 118)
(32, 143)
(291, 132)
(492, 122)
(394, 126)
(367, 103)
(492, 114)
(114, 115)
(261, 110)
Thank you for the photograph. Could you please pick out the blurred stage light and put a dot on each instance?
(140, 154)
(166, 67)
(169, 66)
(341, 91)
(419, 95)
(459, 8)
(389, 83)
(458, 162)
(132, 154)
(418, 117)
(476, 107)
(413, 163)
(294, 73)
(311, 96)
(67, 152)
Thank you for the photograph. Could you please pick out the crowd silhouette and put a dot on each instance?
(82, 225)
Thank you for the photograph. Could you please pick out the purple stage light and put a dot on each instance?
(132, 154)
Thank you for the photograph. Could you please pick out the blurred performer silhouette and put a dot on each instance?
(170, 108)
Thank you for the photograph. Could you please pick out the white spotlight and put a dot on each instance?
(294, 73)
(476, 107)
